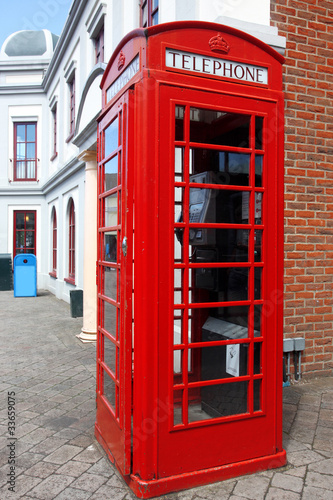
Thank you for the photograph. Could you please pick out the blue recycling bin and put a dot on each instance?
(25, 275)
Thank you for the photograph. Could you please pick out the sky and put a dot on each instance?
(32, 15)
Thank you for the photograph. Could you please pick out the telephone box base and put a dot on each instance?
(158, 487)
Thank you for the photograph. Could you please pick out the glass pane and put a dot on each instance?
(111, 137)
(223, 323)
(257, 283)
(30, 220)
(179, 132)
(20, 170)
(110, 354)
(258, 167)
(178, 328)
(224, 361)
(179, 164)
(31, 133)
(231, 245)
(216, 127)
(154, 4)
(29, 239)
(20, 151)
(20, 133)
(109, 389)
(219, 400)
(178, 286)
(220, 285)
(222, 167)
(31, 150)
(257, 395)
(110, 246)
(110, 283)
(19, 221)
(257, 320)
(110, 319)
(258, 245)
(257, 358)
(145, 16)
(257, 208)
(177, 362)
(218, 206)
(111, 210)
(154, 19)
(178, 204)
(31, 173)
(178, 247)
(20, 240)
(111, 174)
(259, 125)
(177, 407)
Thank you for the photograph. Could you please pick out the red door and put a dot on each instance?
(221, 293)
(115, 234)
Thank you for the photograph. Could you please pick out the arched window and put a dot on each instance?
(54, 243)
(71, 242)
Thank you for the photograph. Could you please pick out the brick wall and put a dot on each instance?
(308, 86)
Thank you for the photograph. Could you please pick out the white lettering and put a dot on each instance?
(123, 79)
(233, 70)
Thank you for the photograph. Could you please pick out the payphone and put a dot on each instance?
(190, 257)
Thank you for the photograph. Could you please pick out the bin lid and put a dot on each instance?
(28, 259)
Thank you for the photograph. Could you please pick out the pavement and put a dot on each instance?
(47, 390)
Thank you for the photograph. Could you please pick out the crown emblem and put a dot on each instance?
(218, 44)
(121, 60)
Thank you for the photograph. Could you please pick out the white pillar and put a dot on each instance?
(89, 329)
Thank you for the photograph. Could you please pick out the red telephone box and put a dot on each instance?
(190, 263)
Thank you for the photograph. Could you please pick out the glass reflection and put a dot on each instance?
(111, 137)
(110, 246)
(110, 354)
(216, 127)
(111, 210)
(110, 283)
(111, 173)
(227, 167)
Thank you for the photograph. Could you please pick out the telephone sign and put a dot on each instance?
(190, 257)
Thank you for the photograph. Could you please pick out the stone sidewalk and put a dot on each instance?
(52, 376)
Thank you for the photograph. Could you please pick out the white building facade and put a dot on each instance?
(49, 101)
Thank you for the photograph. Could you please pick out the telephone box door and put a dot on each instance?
(115, 234)
(221, 293)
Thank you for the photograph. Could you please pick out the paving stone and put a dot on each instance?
(73, 468)
(104, 467)
(311, 493)
(89, 482)
(253, 487)
(317, 480)
(287, 482)
(280, 494)
(106, 491)
(41, 470)
(23, 484)
(303, 457)
(50, 487)
(48, 445)
(63, 454)
(73, 494)
(91, 454)
(323, 466)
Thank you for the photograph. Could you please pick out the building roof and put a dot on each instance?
(32, 44)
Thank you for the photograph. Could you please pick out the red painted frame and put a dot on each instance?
(25, 179)
(166, 458)
(16, 212)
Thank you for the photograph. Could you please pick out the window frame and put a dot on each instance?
(71, 91)
(54, 132)
(151, 12)
(71, 243)
(99, 46)
(25, 230)
(53, 273)
(25, 178)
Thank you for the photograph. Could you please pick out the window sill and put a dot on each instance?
(53, 275)
(70, 280)
(53, 157)
(70, 137)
